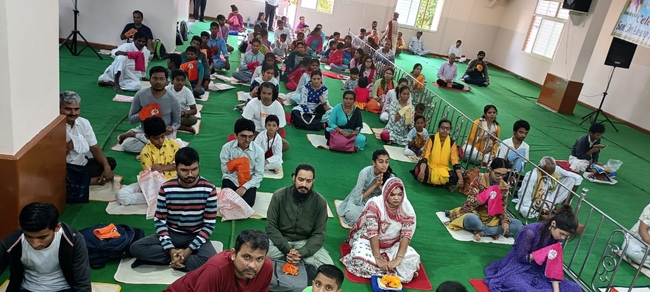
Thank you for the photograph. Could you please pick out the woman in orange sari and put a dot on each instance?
(379, 91)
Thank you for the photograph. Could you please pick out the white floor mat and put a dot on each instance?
(151, 274)
(219, 86)
(318, 141)
(115, 208)
(463, 235)
(625, 289)
(336, 205)
(397, 153)
(366, 129)
(199, 107)
(223, 78)
(96, 287)
(262, 201)
(122, 98)
(272, 175)
(106, 192)
(204, 97)
(117, 147)
(145, 84)
(196, 127)
(242, 96)
(377, 132)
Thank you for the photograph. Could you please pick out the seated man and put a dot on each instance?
(130, 29)
(45, 254)
(433, 168)
(201, 57)
(360, 40)
(249, 62)
(169, 109)
(521, 149)
(242, 268)
(242, 162)
(586, 149)
(81, 139)
(296, 221)
(266, 104)
(635, 249)
(385, 54)
(447, 75)
(129, 66)
(157, 155)
(477, 71)
(218, 47)
(184, 220)
(457, 51)
(416, 45)
(542, 193)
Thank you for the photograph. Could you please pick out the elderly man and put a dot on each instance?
(447, 75)
(83, 152)
(416, 45)
(297, 221)
(540, 192)
(129, 66)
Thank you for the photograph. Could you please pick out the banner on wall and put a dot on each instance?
(634, 23)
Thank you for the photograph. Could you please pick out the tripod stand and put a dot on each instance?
(593, 116)
(72, 47)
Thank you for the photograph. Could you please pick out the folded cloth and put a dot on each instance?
(129, 34)
(252, 65)
(151, 110)
(552, 255)
(243, 168)
(106, 232)
(407, 113)
(494, 200)
(138, 57)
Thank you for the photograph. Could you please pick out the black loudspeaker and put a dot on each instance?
(577, 5)
(620, 53)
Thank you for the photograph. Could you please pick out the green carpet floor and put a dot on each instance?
(443, 257)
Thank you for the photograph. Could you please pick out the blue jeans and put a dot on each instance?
(338, 68)
(243, 76)
(218, 63)
(478, 80)
(201, 91)
(472, 222)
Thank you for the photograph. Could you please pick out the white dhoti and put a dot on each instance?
(527, 208)
(636, 251)
(384, 117)
(129, 79)
(578, 165)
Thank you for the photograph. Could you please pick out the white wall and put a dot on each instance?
(21, 119)
(102, 21)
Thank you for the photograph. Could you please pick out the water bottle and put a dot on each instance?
(248, 22)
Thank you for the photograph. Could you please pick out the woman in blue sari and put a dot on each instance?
(345, 118)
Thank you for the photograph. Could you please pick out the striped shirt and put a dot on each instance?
(186, 210)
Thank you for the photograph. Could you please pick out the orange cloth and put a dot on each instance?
(106, 232)
(151, 110)
(360, 105)
(243, 168)
(129, 34)
(191, 70)
(373, 106)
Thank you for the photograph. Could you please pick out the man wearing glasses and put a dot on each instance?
(242, 162)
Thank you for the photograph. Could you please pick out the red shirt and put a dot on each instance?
(336, 58)
(218, 275)
(362, 94)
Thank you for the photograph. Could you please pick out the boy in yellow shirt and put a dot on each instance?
(157, 155)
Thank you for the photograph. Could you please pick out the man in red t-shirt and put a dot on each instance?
(243, 268)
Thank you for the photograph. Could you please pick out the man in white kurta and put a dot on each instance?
(416, 45)
(121, 74)
(457, 50)
(550, 192)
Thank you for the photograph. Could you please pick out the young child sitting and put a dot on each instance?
(325, 54)
(362, 93)
(419, 110)
(336, 58)
(400, 44)
(353, 81)
(193, 69)
(271, 143)
(267, 76)
(205, 37)
(328, 278)
(186, 100)
(269, 58)
(416, 137)
(280, 47)
(174, 62)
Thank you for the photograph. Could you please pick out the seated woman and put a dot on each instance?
(380, 239)
(357, 58)
(313, 98)
(480, 146)
(308, 65)
(269, 58)
(346, 119)
(367, 70)
(369, 184)
(391, 97)
(235, 20)
(315, 41)
(292, 62)
(635, 249)
(438, 151)
(379, 90)
(418, 83)
(519, 269)
(483, 213)
(400, 120)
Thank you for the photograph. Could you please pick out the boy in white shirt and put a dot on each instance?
(416, 137)
(271, 143)
(185, 99)
(280, 47)
(282, 29)
(519, 131)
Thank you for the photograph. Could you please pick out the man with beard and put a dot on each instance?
(82, 150)
(169, 109)
(129, 66)
(519, 147)
(184, 220)
(477, 71)
(242, 268)
(296, 221)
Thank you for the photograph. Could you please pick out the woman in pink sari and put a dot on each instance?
(380, 239)
(235, 20)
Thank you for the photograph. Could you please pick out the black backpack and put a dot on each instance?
(101, 252)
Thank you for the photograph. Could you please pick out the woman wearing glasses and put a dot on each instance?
(484, 211)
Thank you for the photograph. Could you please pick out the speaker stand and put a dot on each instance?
(593, 116)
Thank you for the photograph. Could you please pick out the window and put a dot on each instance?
(318, 5)
(424, 14)
(545, 29)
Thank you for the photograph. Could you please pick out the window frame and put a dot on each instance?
(544, 17)
(437, 16)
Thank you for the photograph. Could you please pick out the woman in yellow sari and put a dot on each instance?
(439, 150)
(480, 145)
(418, 82)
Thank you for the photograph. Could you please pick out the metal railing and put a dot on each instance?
(582, 263)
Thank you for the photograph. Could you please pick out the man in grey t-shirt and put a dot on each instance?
(170, 111)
